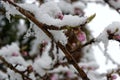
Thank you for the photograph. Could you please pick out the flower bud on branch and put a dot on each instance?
(40, 25)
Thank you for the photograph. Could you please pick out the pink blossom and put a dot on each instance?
(60, 16)
(25, 53)
(69, 74)
(14, 54)
(73, 44)
(45, 42)
(113, 77)
(54, 77)
(30, 68)
(83, 67)
(78, 11)
(81, 36)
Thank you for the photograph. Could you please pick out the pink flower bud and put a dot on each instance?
(25, 53)
(30, 68)
(73, 44)
(54, 77)
(60, 16)
(83, 67)
(45, 43)
(113, 77)
(81, 36)
(69, 74)
(14, 54)
(77, 11)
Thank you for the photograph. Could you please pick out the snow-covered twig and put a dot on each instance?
(86, 44)
(107, 56)
(89, 19)
(40, 25)
(111, 36)
(14, 69)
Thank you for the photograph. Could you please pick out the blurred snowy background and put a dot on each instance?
(104, 16)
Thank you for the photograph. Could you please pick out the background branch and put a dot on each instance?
(107, 1)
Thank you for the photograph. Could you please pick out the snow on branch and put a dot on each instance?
(50, 22)
(52, 18)
(110, 32)
(11, 57)
(13, 68)
(50, 13)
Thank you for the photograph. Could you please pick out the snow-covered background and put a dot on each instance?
(104, 16)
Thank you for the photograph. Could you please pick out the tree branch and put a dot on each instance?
(13, 68)
(40, 25)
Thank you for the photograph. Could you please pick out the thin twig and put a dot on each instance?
(108, 56)
(13, 68)
(88, 43)
(84, 45)
(40, 25)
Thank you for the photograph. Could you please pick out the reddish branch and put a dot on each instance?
(14, 69)
(41, 26)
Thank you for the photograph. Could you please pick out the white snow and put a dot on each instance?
(103, 37)
(66, 7)
(48, 13)
(13, 75)
(79, 4)
(8, 50)
(43, 63)
(11, 10)
(59, 36)
(3, 75)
